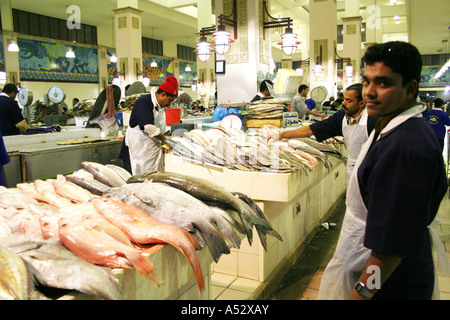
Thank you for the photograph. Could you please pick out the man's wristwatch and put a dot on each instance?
(361, 289)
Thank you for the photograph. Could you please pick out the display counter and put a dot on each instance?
(172, 267)
(40, 156)
(296, 204)
(197, 119)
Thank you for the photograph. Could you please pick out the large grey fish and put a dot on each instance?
(212, 194)
(164, 207)
(103, 174)
(53, 265)
(325, 148)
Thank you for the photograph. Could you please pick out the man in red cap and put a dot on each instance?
(145, 133)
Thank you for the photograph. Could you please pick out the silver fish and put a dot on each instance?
(213, 194)
(56, 266)
(86, 180)
(103, 174)
(121, 172)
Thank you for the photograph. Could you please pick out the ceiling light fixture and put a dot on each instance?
(113, 58)
(222, 38)
(187, 69)
(289, 41)
(153, 64)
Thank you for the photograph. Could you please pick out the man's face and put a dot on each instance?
(304, 92)
(165, 100)
(351, 105)
(383, 90)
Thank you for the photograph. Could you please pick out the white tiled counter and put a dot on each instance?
(296, 204)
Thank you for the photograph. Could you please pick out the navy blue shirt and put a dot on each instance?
(142, 112)
(4, 159)
(10, 114)
(438, 119)
(332, 126)
(402, 182)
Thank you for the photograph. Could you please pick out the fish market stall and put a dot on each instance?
(296, 200)
(100, 233)
(45, 155)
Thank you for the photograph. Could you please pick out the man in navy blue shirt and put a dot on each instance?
(263, 90)
(438, 119)
(4, 159)
(11, 119)
(401, 179)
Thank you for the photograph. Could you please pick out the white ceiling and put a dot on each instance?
(423, 23)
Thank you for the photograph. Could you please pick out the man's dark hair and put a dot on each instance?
(358, 88)
(263, 85)
(159, 91)
(438, 102)
(10, 87)
(401, 57)
(302, 87)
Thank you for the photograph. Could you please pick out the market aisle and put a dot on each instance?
(443, 231)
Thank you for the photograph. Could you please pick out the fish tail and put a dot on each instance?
(144, 267)
(216, 244)
(189, 251)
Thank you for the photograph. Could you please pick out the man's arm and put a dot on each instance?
(378, 269)
(301, 132)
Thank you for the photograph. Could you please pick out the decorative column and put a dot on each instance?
(128, 35)
(11, 65)
(323, 39)
(352, 40)
(249, 55)
(205, 70)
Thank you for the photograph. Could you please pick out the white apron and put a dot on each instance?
(350, 257)
(354, 137)
(145, 152)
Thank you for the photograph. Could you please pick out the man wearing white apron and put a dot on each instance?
(145, 134)
(352, 123)
(385, 230)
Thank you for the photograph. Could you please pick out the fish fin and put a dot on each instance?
(144, 267)
(216, 244)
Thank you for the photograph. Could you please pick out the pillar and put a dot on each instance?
(11, 66)
(352, 45)
(323, 39)
(205, 70)
(128, 35)
(249, 54)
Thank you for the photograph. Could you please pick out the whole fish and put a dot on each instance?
(103, 174)
(143, 229)
(86, 180)
(121, 172)
(16, 282)
(99, 248)
(70, 190)
(15, 198)
(213, 194)
(57, 267)
(166, 210)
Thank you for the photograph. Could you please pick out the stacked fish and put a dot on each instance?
(84, 108)
(71, 230)
(250, 151)
(129, 101)
(266, 109)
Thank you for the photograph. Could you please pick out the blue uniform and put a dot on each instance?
(4, 159)
(10, 114)
(402, 181)
(438, 119)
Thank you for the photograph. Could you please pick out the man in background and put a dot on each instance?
(12, 121)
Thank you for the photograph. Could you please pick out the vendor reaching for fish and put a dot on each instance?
(145, 134)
